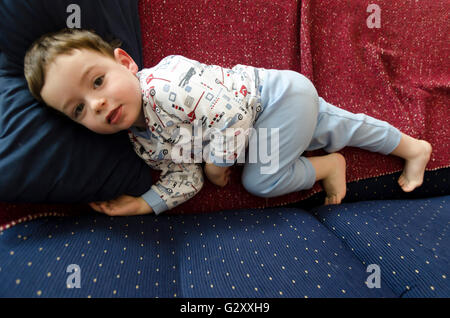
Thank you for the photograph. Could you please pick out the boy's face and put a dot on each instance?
(95, 90)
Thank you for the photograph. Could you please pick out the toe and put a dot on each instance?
(331, 200)
(401, 180)
(408, 187)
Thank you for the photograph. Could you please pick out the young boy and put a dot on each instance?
(163, 108)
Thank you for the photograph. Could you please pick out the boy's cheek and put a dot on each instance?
(95, 128)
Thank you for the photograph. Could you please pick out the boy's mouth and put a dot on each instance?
(114, 116)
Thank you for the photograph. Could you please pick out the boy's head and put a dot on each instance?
(91, 81)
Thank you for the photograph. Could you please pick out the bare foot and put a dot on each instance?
(412, 176)
(335, 183)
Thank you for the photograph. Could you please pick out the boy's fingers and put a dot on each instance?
(119, 206)
(95, 206)
(112, 207)
(105, 206)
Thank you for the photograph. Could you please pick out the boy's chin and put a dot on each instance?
(109, 130)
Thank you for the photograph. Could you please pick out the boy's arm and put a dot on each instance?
(217, 175)
(178, 183)
(123, 205)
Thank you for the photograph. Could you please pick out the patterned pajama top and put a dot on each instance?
(189, 108)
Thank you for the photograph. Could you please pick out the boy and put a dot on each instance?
(100, 87)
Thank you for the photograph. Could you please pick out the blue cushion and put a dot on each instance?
(282, 252)
(44, 156)
(407, 239)
(22, 22)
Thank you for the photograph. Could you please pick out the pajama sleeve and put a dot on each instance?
(227, 144)
(178, 183)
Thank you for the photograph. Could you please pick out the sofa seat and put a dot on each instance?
(272, 252)
(407, 239)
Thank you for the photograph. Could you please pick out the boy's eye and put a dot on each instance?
(98, 81)
(78, 110)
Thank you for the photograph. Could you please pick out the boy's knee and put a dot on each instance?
(255, 189)
(303, 84)
(256, 186)
(304, 92)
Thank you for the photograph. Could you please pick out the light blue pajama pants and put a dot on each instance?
(306, 122)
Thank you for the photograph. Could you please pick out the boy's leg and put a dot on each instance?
(290, 104)
(330, 169)
(416, 153)
(292, 107)
(338, 128)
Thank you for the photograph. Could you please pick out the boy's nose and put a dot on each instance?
(98, 104)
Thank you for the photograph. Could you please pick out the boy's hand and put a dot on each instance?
(217, 175)
(122, 206)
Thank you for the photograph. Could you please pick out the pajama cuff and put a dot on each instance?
(223, 164)
(392, 141)
(154, 200)
(310, 174)
(220, 162)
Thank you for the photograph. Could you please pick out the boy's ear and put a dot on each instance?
(123, 58)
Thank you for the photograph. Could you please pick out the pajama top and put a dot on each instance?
(188, 108)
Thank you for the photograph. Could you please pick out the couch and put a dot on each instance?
(379, 243)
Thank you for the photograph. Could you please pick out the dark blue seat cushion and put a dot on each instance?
(407, 239)
(246, 253)
(44, 156)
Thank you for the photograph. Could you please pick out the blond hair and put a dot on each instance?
(49, 46)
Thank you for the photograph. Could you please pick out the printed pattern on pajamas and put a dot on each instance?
(184, 101)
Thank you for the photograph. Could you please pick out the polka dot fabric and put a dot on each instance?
(408, 240)
(394, 73)
(272, 252)
(253, 253)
